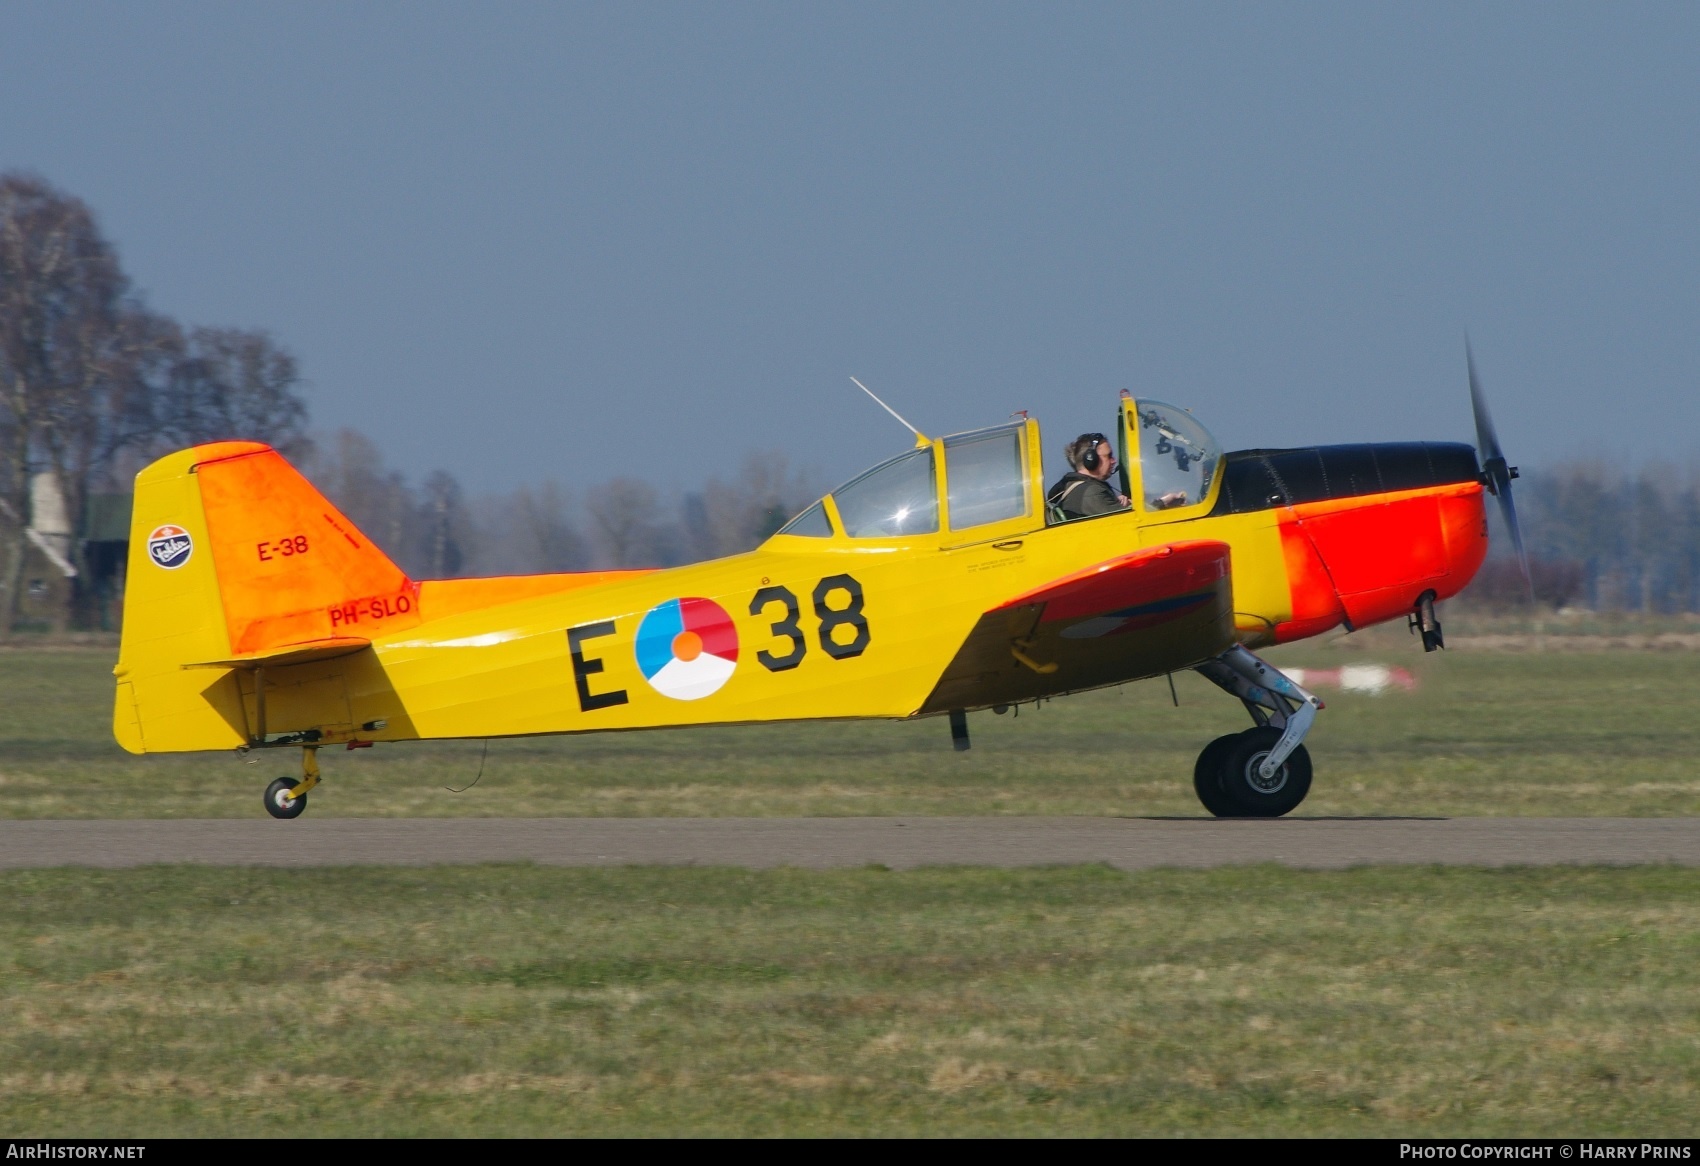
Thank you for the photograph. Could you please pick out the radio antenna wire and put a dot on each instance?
(918, 434)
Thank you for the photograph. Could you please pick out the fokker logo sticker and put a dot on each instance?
(170, 546)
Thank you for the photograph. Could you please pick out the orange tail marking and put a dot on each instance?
(292, 567)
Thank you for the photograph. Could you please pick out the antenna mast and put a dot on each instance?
(919, 436)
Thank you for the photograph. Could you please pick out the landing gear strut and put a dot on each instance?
(1263, 772)
(286, 797)
(1423, 620)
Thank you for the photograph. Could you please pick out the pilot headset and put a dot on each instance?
(1089, 459)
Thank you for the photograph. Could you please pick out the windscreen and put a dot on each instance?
(899, 497)
(811, 523)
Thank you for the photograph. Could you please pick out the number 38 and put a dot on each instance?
(843, 630)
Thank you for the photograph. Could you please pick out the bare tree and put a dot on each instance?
(232, 384)
(444, 519)
(91, 381)
(1573, 515)
(697, 528)
(626, 517)
(550, 541)
(427, 530)
(1650, 528)
(726, 518)
(350, 471)
(1685, 540)
(75, 348)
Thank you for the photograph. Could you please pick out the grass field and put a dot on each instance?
(523, 1000)
(1556, 733)
(526, 1000)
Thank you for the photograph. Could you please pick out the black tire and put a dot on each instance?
(1251, 796)
(1207, 776)
(278, 802)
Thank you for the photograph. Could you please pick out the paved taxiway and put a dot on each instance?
(1129, 843)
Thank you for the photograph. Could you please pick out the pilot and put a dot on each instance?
(1085, 490)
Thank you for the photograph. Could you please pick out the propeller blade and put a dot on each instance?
(1509, 512)
(1497, 472)
(1487, 441)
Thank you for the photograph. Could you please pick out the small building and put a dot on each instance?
(106, 553)
(56, 596)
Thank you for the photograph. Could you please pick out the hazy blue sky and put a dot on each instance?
(530, 240)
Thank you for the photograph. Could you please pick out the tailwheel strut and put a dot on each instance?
(1265, 771)
(287, 797)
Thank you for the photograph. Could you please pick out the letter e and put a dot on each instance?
(584, 669)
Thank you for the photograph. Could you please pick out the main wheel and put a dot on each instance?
(278, 802)
(1247, 791)
(1207, 776)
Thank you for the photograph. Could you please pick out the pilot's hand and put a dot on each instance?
(1172, 498)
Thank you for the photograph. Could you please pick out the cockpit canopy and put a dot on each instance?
(992, 476)
(897, 497)
(1177, 456)
(987, 480)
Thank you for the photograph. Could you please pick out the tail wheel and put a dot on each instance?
(1207, 774)
(278, 802)
(1246, 789)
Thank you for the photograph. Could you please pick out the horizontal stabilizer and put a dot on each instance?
(326, 649)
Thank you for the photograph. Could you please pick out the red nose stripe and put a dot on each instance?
(1316, 607)
(1370, 558)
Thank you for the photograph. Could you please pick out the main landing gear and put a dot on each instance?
(286, 797)
(1263, 772)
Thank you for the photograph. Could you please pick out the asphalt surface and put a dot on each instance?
(1129, 843)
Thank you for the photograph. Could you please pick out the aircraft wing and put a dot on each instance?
(1155, 610)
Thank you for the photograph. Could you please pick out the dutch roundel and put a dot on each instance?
(687, 648)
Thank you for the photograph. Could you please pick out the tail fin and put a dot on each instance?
(235, 559)
(291, 567)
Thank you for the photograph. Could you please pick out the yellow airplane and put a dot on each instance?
(258, 617)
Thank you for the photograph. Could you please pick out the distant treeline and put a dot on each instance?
(1597, 537)
(433, 530)
(94, 384)
(1603, 537)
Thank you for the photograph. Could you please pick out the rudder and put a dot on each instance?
(291, 567)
